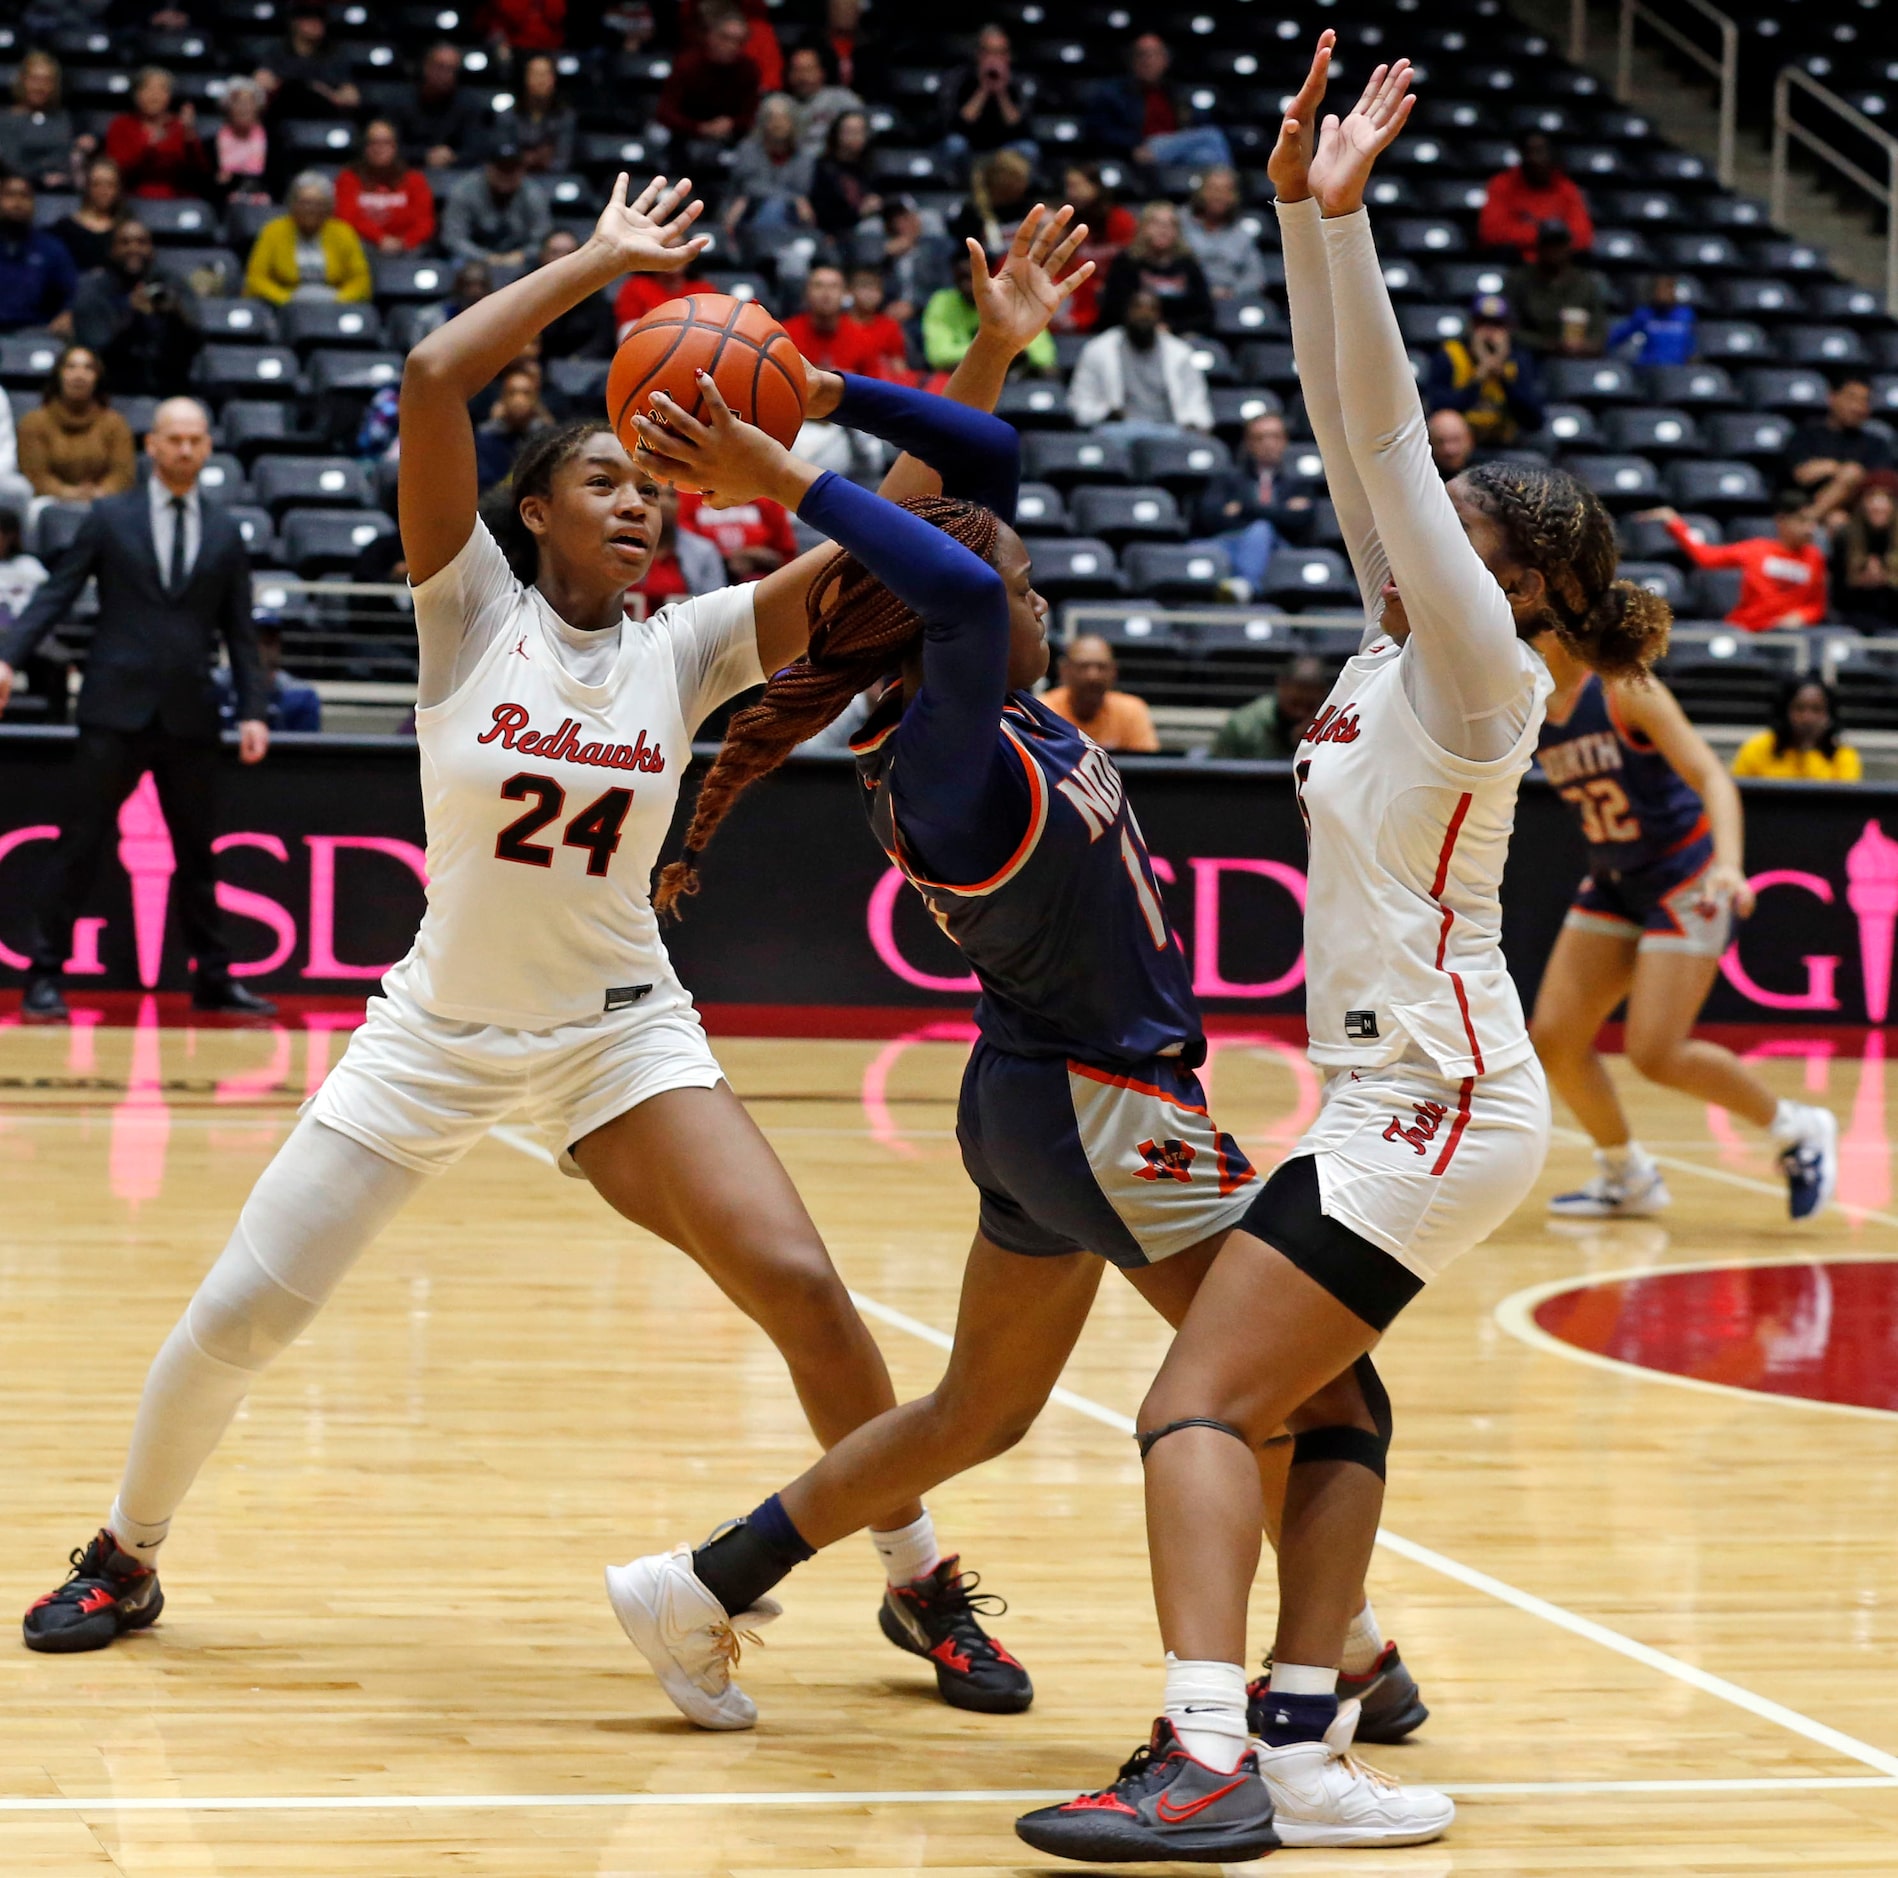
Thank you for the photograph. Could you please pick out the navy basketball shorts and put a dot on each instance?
(1663, 907)
(1068, 1156)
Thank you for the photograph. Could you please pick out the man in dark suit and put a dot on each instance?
(173, 575)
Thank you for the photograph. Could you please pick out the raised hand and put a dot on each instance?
(719, 454)
(1017, 301)
(650, 234)
(1349, 147)
(1289, 165)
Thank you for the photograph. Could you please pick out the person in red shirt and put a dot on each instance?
(157, 149)
(1782, 580)
(712, 94)
(639, 294)
(883, 338)
(1520, 200)
(525, 25)
(828, 340)
(386, 202)
(754, 537)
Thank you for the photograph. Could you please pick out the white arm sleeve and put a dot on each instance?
(460, 610)
(714, 649)
(1468, 675)
(1308, 291)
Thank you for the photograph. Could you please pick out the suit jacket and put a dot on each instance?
(152, 652)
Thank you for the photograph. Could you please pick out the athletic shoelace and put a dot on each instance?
(728, 1643)
(959, 1602)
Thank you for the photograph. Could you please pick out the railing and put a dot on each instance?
(1578, 32)
(1786, 132)
(1723, 67)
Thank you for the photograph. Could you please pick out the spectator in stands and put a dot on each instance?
(985, 105)
(384, 199)
(816, 97)
(711, 95)
(587, 331)
(821, 332)
(86, 234)
(74, 447)
(1228, 255)
(440, 125)
(1270, 728)
(769, 182)
(1452, 444)
(1829, 458)
(1533, 191)
(950, 319)
(755, 538)
(885, 346)
(639, 294)
(36, 131)
(682, 564)
(308, 253)
(1561, 306)
(1662, 330)
(1109, 229)
(499, 214)
(1086, 697)
(141, 322)
(998, 198)
(289, 704)
(1494, 385)
(241, 148)
(518, 415)
(308, 79)
(1138, 380)
(1865, 557)
(474, 280)
(1158, 261)
(842, 194)
(917, 264)
(542, 122)
(512, 27)
(37, 276)
(1782, 577)
(1249, 509)
(761, 36)
(849, 44)
(1802, 743)
(1148, 118)
(158, 149)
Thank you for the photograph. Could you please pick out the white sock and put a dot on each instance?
(1619, 1163)
(141, 1538)
(1789, 1124)
(1303, 1679)
(1363, 1642)
(1206, 1703)
(910, 1552)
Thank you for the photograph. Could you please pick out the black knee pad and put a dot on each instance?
(1147, 1437)
(1353, 1444)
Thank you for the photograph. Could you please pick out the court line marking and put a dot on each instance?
(975, 1796)
(1516, 1314)
(1695, 1677)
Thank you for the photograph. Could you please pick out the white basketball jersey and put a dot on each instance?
(1403, 916)
(547, 797)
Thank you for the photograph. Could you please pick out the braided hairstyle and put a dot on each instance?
(532, 475)
(860, 632)
(1557, 525)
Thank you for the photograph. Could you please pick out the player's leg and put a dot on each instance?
(315, 1209)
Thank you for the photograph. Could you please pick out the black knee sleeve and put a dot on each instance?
(1359, 1445)
(1147, 1437)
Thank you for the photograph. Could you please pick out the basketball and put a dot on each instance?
(750, 357)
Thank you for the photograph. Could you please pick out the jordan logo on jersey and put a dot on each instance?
(1334, 724)
(562, 744)
(1168, 1160)
(1421, 1131)
(1095, 788)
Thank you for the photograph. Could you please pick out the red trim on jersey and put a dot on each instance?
(1625, 731)
(1443, 935)
(877, 742)
(1037, 821)
(1702, 827)
(1457, 1127)
(1107, 1077)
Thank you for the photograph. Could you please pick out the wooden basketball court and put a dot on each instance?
(1655, 1620)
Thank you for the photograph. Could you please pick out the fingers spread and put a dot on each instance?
(1067, 284)
(1067, 250)
(1050, 233)
(642, 203)
(978, 266)
(1025, 234)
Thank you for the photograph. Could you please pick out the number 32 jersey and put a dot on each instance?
(1634, 808)
(549, 778)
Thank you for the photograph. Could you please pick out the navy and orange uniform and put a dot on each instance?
(1649, 840)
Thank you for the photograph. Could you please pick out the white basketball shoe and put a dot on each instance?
(1633, 1191)
(683, 1632)
(1323, 1795)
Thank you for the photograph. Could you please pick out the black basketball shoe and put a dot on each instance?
(108, 1593)
(1163, 1805)
(935, 1617)
(1390, 1704)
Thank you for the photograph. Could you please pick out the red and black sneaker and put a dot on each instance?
(108, 1593)
(1390, 1704)
(1163, 1805)
(935, 1617)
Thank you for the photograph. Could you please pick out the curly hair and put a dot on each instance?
(532, 475)
(1557, 525)
(860, 632)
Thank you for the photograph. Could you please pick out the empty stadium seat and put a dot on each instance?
(1696, 387)
(1660, 577)
(1249, 319)
(1823, 346)
(330, 323)
(252, 425)
(184, 220)
(327, 541)
(1650, 430)
(1180, 575)
(1596, 381)
(1309, 577)
(1749, 434)
(1039, 506)
(1235, 406)
(55, 527)
(340, 370)
(1117, 513)
(1030, 401)
(285, 482)
(1713, 593)
(1622, 482)
(1571, 426)
(1735, 340)
(1784, 388)
(246, 322)
(222, 478)
(1063, 457)
(254, 525)
(222, 368)
(26, 362)
(1719, 488)
(1133, 626)
(1073, 568)
(1180, 462)
(411, 277)
(1650, 541)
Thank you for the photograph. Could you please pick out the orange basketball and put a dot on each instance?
(750, 357)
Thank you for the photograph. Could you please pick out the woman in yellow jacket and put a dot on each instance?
(1803, 743)
(308, 254)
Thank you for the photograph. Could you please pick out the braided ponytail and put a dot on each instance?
(1557, 525)
(860, 632)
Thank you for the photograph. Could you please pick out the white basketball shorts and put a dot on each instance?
(421, 1090)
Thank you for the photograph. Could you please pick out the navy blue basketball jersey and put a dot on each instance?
(1633, 806)
(1068, 939)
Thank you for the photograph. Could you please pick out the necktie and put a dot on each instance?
(175, 574)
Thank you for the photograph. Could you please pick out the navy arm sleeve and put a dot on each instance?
(961, 797)
(977, 455)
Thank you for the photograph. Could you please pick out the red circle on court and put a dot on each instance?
(1826, 1331)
